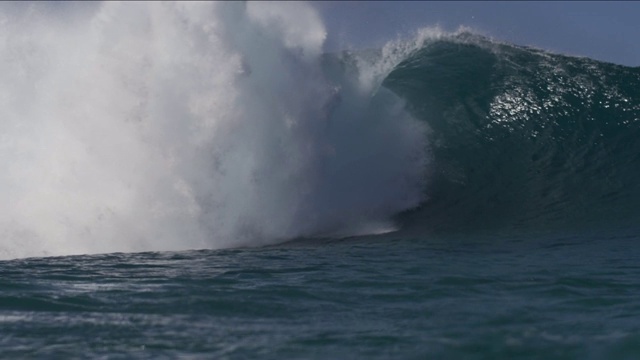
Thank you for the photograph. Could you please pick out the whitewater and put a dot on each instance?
(133, 127)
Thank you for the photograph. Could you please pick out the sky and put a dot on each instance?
(607, 31)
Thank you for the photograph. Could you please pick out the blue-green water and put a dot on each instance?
(556, 298)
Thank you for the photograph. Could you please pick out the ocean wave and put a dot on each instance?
(522, 138)
(173, 126)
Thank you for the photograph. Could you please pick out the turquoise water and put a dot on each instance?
(570, 297)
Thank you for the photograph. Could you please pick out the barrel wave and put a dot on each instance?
(174, 126)
(522, 138)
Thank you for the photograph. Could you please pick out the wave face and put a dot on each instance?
(522, 138)
(169, 126)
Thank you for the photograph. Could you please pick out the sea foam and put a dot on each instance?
(167, 126)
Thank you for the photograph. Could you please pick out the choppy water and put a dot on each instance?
(561, 297)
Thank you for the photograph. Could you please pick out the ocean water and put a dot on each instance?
(460, 297)
(201, 180)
